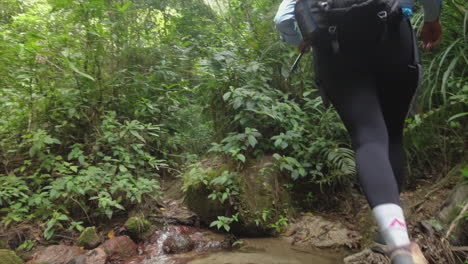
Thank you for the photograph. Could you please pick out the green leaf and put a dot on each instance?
(252, 141)
(240, 157)
(457, 116)
(125, 6)
(122, 168)
(226, 96)
(135, 133)
(73, 67)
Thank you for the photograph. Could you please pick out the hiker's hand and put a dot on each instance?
(431, 33)
(303, 47)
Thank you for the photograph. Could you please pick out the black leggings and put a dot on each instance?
(372, 90)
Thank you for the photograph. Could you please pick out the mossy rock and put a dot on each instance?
(9, 257)
(89, 238)
(196, 195)
(4, 245)
(260, 189)
(208, 210)
(138, 227)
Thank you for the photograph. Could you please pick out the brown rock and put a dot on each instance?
(57, 254)
(316, 231)
(121, 246)
(177, 243)
(135, 260)
(95, 256)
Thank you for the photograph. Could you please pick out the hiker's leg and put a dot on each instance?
(353, 92)
(350, 86)
(397, 81)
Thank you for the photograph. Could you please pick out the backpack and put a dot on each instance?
(346, 24)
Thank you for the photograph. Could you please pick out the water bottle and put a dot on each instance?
(304, 20)
(407, 8)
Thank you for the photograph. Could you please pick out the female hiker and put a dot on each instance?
(370, 71)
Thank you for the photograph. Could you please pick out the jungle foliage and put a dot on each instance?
(100, 98)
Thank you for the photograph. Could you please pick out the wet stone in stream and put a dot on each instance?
(177, 243)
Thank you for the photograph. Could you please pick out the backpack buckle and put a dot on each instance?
(332, 29)
(324, 5)
(382, 15)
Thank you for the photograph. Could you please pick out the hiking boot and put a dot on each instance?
(410, 254)
(378, 238)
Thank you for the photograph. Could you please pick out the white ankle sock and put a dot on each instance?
(392, 224)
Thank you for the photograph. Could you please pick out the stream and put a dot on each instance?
(269, 251)
(190, 245)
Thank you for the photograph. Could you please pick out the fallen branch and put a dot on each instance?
(459, 249)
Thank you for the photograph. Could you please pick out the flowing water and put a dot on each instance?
(189, 245)
(269, 251)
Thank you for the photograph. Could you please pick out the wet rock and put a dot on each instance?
(260, 188)
(177, 243)
(135, 260)
(366, 256)
(58, 254)
(137, 226)
(95, 256)
(316, 231)
(196, 198)
(9, 257)
(176, 213)
(88, 239)
(119, 246)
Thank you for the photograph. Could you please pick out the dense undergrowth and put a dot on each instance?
(99, 99)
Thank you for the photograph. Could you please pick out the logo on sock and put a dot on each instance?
(396, 222)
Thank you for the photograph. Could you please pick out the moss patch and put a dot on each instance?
(88, 239)
(4, 245)
(137, 226)
(9, 257)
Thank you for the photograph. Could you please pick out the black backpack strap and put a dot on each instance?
(383, 16)
(333, 31)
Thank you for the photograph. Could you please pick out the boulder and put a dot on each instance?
(137, 226)
(9, 257)
(121, 246)
(57, 254)
(197, 192)
(4, 245)
(177, 243)
(316, 231)
(175, 213)
(260, 186)
(89, 238)
(95, 256)
(262, 194)
(451, 210)
(451, 206)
